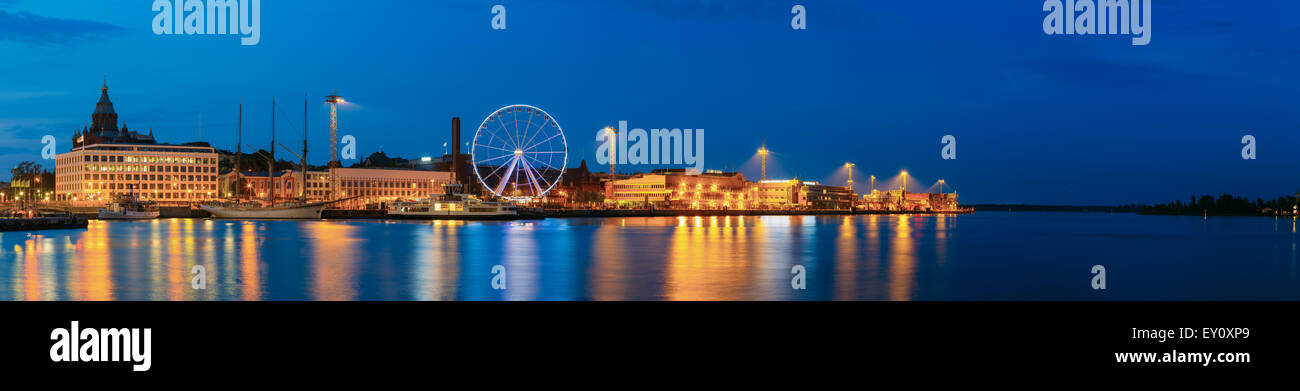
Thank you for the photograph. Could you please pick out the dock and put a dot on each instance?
(42, 223)
(726, 212)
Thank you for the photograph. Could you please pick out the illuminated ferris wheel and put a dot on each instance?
(519, 152)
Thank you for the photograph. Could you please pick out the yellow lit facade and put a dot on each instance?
(374, 186)
(678, 189)
(94, 174)
(796, 194)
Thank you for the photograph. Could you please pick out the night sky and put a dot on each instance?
(1060, 119)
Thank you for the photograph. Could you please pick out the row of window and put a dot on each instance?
(140, 159)
(117, 168)
(145, 177)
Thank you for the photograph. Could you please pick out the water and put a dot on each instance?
(984, 256)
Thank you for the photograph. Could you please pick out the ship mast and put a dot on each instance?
(270, 169)
(302, 185)
(239, 150)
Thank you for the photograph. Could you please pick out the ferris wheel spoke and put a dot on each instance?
(532, 178)
(543, 177)
(501, 124)
(494, 158)
(540, 129)
(498, 169)
(547, 163)
(496, 148)
(505, 178)
(504, 140)
(515, 113)
(540, 142)
(516, 163)
(530, 123)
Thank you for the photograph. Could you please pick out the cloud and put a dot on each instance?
(36, 30)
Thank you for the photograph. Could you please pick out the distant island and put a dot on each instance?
(1206, 205)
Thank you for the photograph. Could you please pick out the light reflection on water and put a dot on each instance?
(988, 256)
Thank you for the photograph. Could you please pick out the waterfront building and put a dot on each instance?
(796, 194)
(257, 184)
(374, 187)
(371, 186)
(318, 186)
(818, 196)
(106, 161)
(680, 189)
(897, 200)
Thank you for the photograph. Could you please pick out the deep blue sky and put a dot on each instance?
(1039, 119)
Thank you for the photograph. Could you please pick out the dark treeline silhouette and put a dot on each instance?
(1225, 204)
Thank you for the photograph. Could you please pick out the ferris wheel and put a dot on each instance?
(519, 152)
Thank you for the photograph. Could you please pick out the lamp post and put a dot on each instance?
(762, 154)
(873, 183)
(850, 167)
(613, 151)
(902, 194)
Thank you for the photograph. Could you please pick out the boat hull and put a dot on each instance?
(453, 216)
(105, 214)
(296, 213)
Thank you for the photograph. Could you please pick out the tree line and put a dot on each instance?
(1225, 204)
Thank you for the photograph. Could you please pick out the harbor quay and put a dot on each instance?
(113, 172)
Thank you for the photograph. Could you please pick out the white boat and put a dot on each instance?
(292, 211)
(453, 205)
(129, 208)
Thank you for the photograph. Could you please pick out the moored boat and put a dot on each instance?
(294, 211)
(129, 207)
(453, 205)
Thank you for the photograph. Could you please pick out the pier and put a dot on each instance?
(42, 223)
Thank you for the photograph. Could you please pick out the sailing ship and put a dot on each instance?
(258, 210)
(300, 209)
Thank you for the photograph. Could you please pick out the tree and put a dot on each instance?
(26, 171)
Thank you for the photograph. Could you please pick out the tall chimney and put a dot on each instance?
(455, 149)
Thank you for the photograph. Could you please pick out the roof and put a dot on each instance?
(257, 174)
(104, 106)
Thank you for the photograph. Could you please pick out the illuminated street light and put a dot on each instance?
(850, 167)
(762, 153)
(613, 150)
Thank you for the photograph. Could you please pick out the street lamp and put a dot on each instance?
(613, 150)
(850, 167)
(762, 154)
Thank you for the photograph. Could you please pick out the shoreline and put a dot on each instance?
(338, 214)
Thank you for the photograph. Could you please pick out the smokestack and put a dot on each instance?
(455, 149)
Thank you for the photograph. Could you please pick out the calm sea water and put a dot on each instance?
(984, 256)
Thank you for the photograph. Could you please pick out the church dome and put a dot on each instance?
(105, 106)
